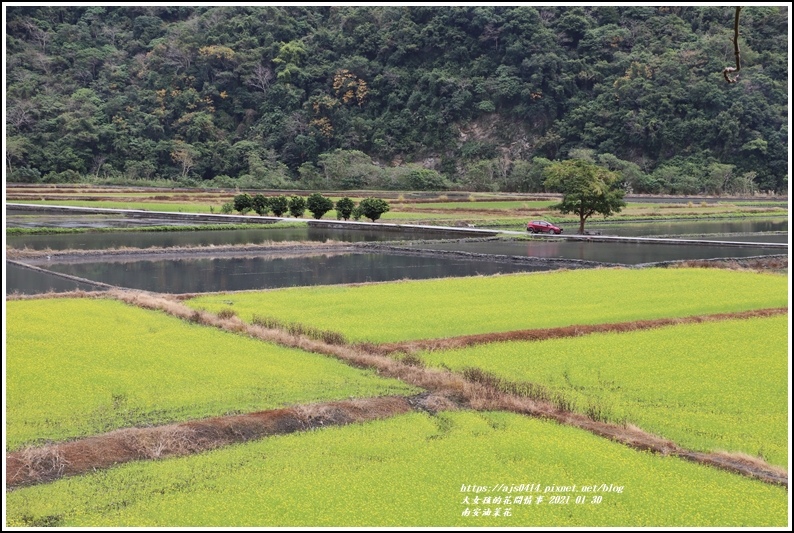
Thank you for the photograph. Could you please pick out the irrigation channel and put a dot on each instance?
(327, 252)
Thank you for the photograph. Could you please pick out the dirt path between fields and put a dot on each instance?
(561, 332)
(48, 463)
(446, 390)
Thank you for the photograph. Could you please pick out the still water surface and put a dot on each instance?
(605, 252)
(247, 273)
(134, 239)
(25, 281)
(688, 227)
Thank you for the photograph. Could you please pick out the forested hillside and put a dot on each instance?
(478, 98)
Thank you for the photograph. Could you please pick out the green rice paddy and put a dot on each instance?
(426, 309)
(79, 367)
(411, 470)
(714, 386)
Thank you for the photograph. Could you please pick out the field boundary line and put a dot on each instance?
(460, 391)
(44, 464)
(576, 330)
(69, 277)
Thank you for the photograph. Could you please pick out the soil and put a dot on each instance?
(445, 390)
(48, 463)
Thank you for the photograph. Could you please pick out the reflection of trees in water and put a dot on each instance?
(627, 253)
(244, 273)
(700, 227)
(26, 281)
(104, 241)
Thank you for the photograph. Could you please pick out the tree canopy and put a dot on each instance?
(283, 97)
(587, 189)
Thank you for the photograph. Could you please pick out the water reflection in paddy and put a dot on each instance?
(134, 239)
(606, 252)
(246, 273)
(686, 227)
(23, 280)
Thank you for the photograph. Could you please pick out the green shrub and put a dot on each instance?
(243, 203)
(373, 208)
(344, 208)
(279, 205)
(297, 206)
(318, 205)
(261, 205)
(425, 179)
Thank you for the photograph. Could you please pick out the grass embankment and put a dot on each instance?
(408, 471)
(79, 367)
(155, 229)
(497, 213)
(204, 208)
(167, 207)
(476, 206)
(709, 387)
(463, 306)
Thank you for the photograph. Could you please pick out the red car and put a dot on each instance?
(541, 226)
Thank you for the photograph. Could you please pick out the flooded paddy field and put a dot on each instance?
(34, 220)
(627, 253)
(101, 241)
(249, 272)
(687, 227)
(678, 228)
(21, 280)
(209, 260)
(779, 238)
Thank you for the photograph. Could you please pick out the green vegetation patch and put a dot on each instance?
(204, 207)
(79, 367)
(461, 306)
(411, 470)
(155, 229)
(506, 205)
(715, 386)
(171, 207)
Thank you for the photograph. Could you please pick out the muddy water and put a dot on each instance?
(245, 273)
(134, 239)
(607, 252)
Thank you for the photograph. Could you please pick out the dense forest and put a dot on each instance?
(475, 98)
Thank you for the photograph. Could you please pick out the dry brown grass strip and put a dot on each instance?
(561, 332)
(778, 263)
(77, 293)
(48, 463)
(277, 249)
(38, 465)
(480, 394)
